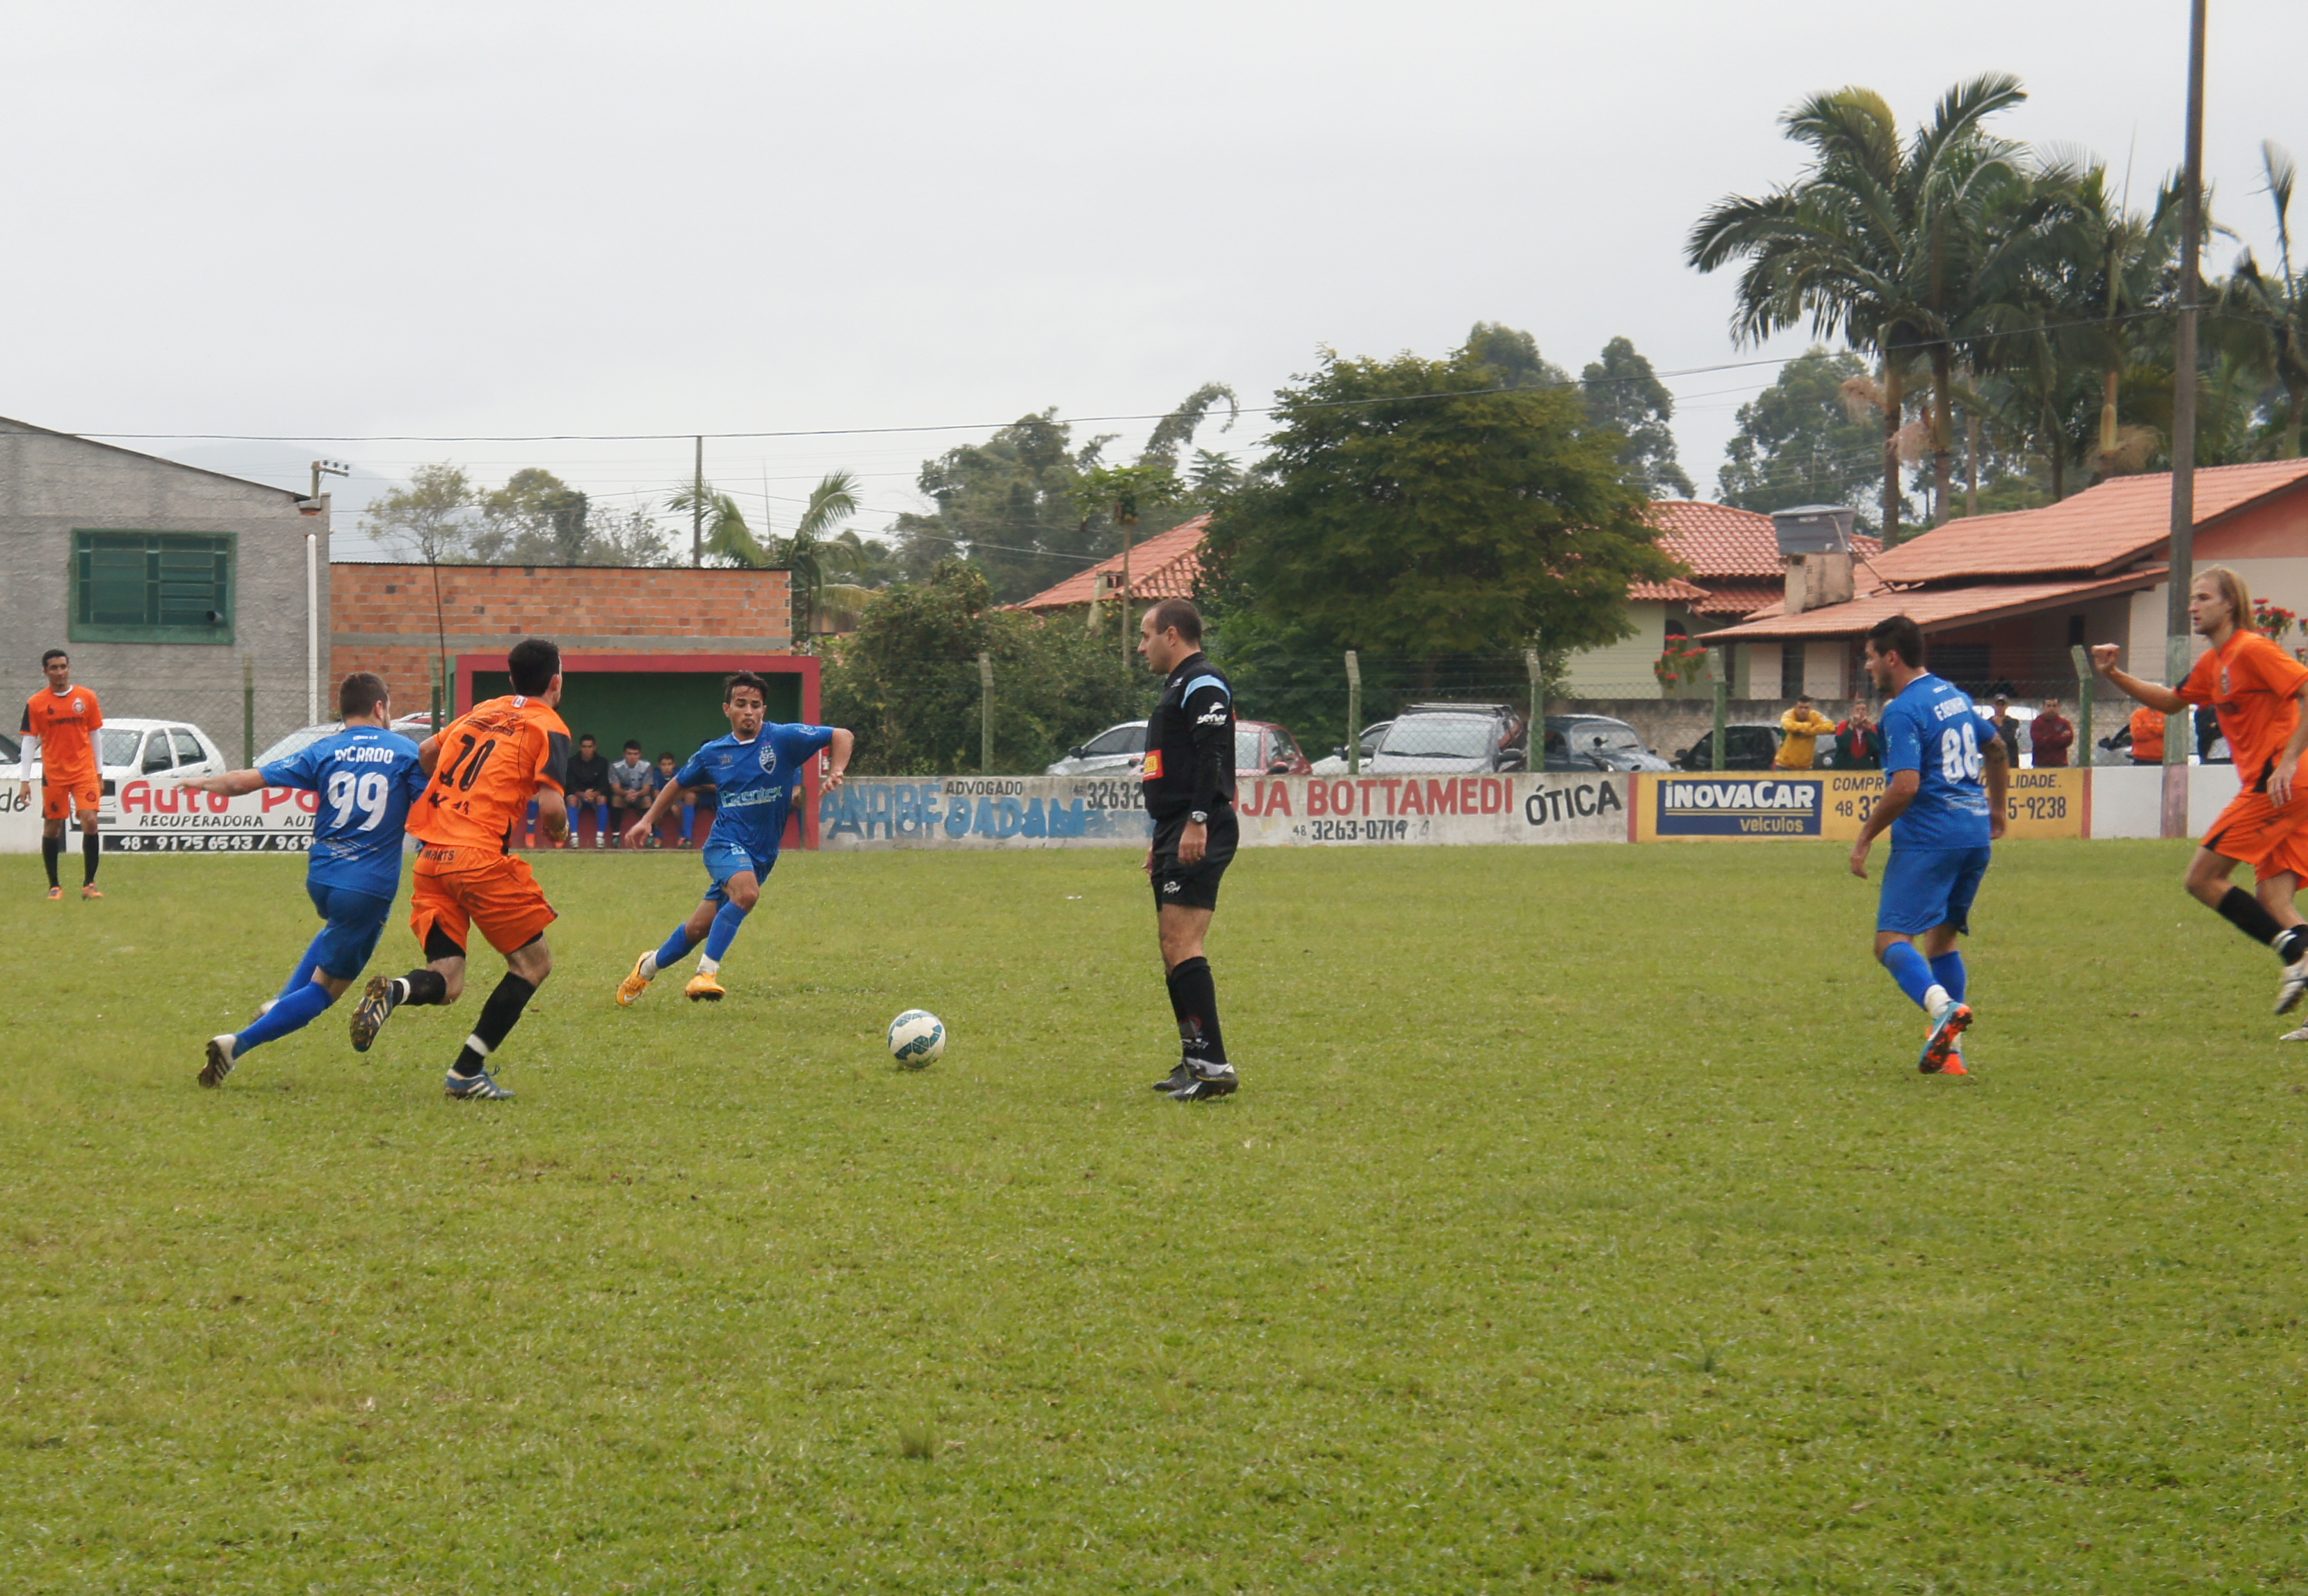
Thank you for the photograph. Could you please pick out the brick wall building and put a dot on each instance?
(643, 651)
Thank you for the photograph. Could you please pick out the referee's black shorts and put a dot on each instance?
(1195, 885)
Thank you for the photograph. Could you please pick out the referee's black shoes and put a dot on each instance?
(1205, 1082)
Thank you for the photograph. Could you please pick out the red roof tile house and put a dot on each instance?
(1734, 568)
(1163, 566)
(2002, 598)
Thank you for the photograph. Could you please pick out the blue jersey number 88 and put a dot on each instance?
(1959, 759)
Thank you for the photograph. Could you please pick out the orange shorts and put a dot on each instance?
(57, 792)
(2255, 830)
(500, 896)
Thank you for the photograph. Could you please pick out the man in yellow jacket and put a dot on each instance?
(1803, 726)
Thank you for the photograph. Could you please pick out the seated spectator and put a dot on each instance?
(2050, 737)
(663, 778)
(632, 783)
(588, 791)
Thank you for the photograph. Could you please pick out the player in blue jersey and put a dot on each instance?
(757, 767)
(1944, 771)
(367, 777)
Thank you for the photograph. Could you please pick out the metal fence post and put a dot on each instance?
(1534, 736)
(248, 712)
(2179, 738)
(434, 670)
(1353, 714)
(1717, 661)
(2082, 657)
(986, 712)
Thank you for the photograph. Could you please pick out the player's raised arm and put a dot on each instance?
(231, 784)
(2154, 695)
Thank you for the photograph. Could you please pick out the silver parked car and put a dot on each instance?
(1451, 738)
(1116, 748)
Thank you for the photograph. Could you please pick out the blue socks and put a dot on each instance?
(293, 1012)
(1912, 971)
(1949, 971)
(676, 949)
(724, 931)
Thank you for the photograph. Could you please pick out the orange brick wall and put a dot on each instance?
(587, 610)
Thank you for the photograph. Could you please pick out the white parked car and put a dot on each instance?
(154, 750)
(1116, 748)
(415, 728)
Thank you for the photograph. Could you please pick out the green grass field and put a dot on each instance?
(1582, 1223)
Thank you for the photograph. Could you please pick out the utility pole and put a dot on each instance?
(697, 508)
(1354, 713)
(2181, 561)
(985, 713)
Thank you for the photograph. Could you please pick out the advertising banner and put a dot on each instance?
(162, 817)
(1275, 811)
(1834, 805)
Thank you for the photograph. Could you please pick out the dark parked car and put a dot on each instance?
(1749, 746)
(1598, 743)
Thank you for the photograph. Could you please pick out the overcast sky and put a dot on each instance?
(316, 221)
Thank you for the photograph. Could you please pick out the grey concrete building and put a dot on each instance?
(166, 582)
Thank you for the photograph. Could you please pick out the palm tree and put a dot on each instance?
(727, 534)
(1890, 245)
(2270, 309)
(831, 502)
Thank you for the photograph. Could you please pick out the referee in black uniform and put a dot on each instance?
(1188, 781)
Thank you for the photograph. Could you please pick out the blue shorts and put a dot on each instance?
(1925, 888)
(725, 859)
(356, 920)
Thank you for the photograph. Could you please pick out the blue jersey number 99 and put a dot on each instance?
(366, 792)
(1959, 759)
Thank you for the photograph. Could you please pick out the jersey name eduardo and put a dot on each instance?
(368, 778)
(1934, 730)
(491, 763)
(757, 778)
(66, 724)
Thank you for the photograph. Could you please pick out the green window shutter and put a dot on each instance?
(152, 587)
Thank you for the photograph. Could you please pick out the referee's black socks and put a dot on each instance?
(499, 1014)
(1194, 999)
(2246, 913)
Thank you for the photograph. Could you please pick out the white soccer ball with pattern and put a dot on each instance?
(916, 1038)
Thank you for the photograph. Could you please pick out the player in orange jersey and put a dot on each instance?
(60, 726)
(486, 768)
(2259, 692)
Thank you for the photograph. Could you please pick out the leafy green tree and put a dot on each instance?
(1008, 506)
(1907, 248)
(1798, 443)
(1512, 358)
(906, 682)
(431, 520)
(1624, 394)
(534, 519)
(1398, 513)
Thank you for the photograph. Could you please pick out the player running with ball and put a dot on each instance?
(366, 775)
(757, 767)
(2259, 692)
(1944, 771)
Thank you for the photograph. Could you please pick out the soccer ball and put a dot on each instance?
(916, 1038)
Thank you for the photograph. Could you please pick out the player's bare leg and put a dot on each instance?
(92, 853)
(52, 847)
